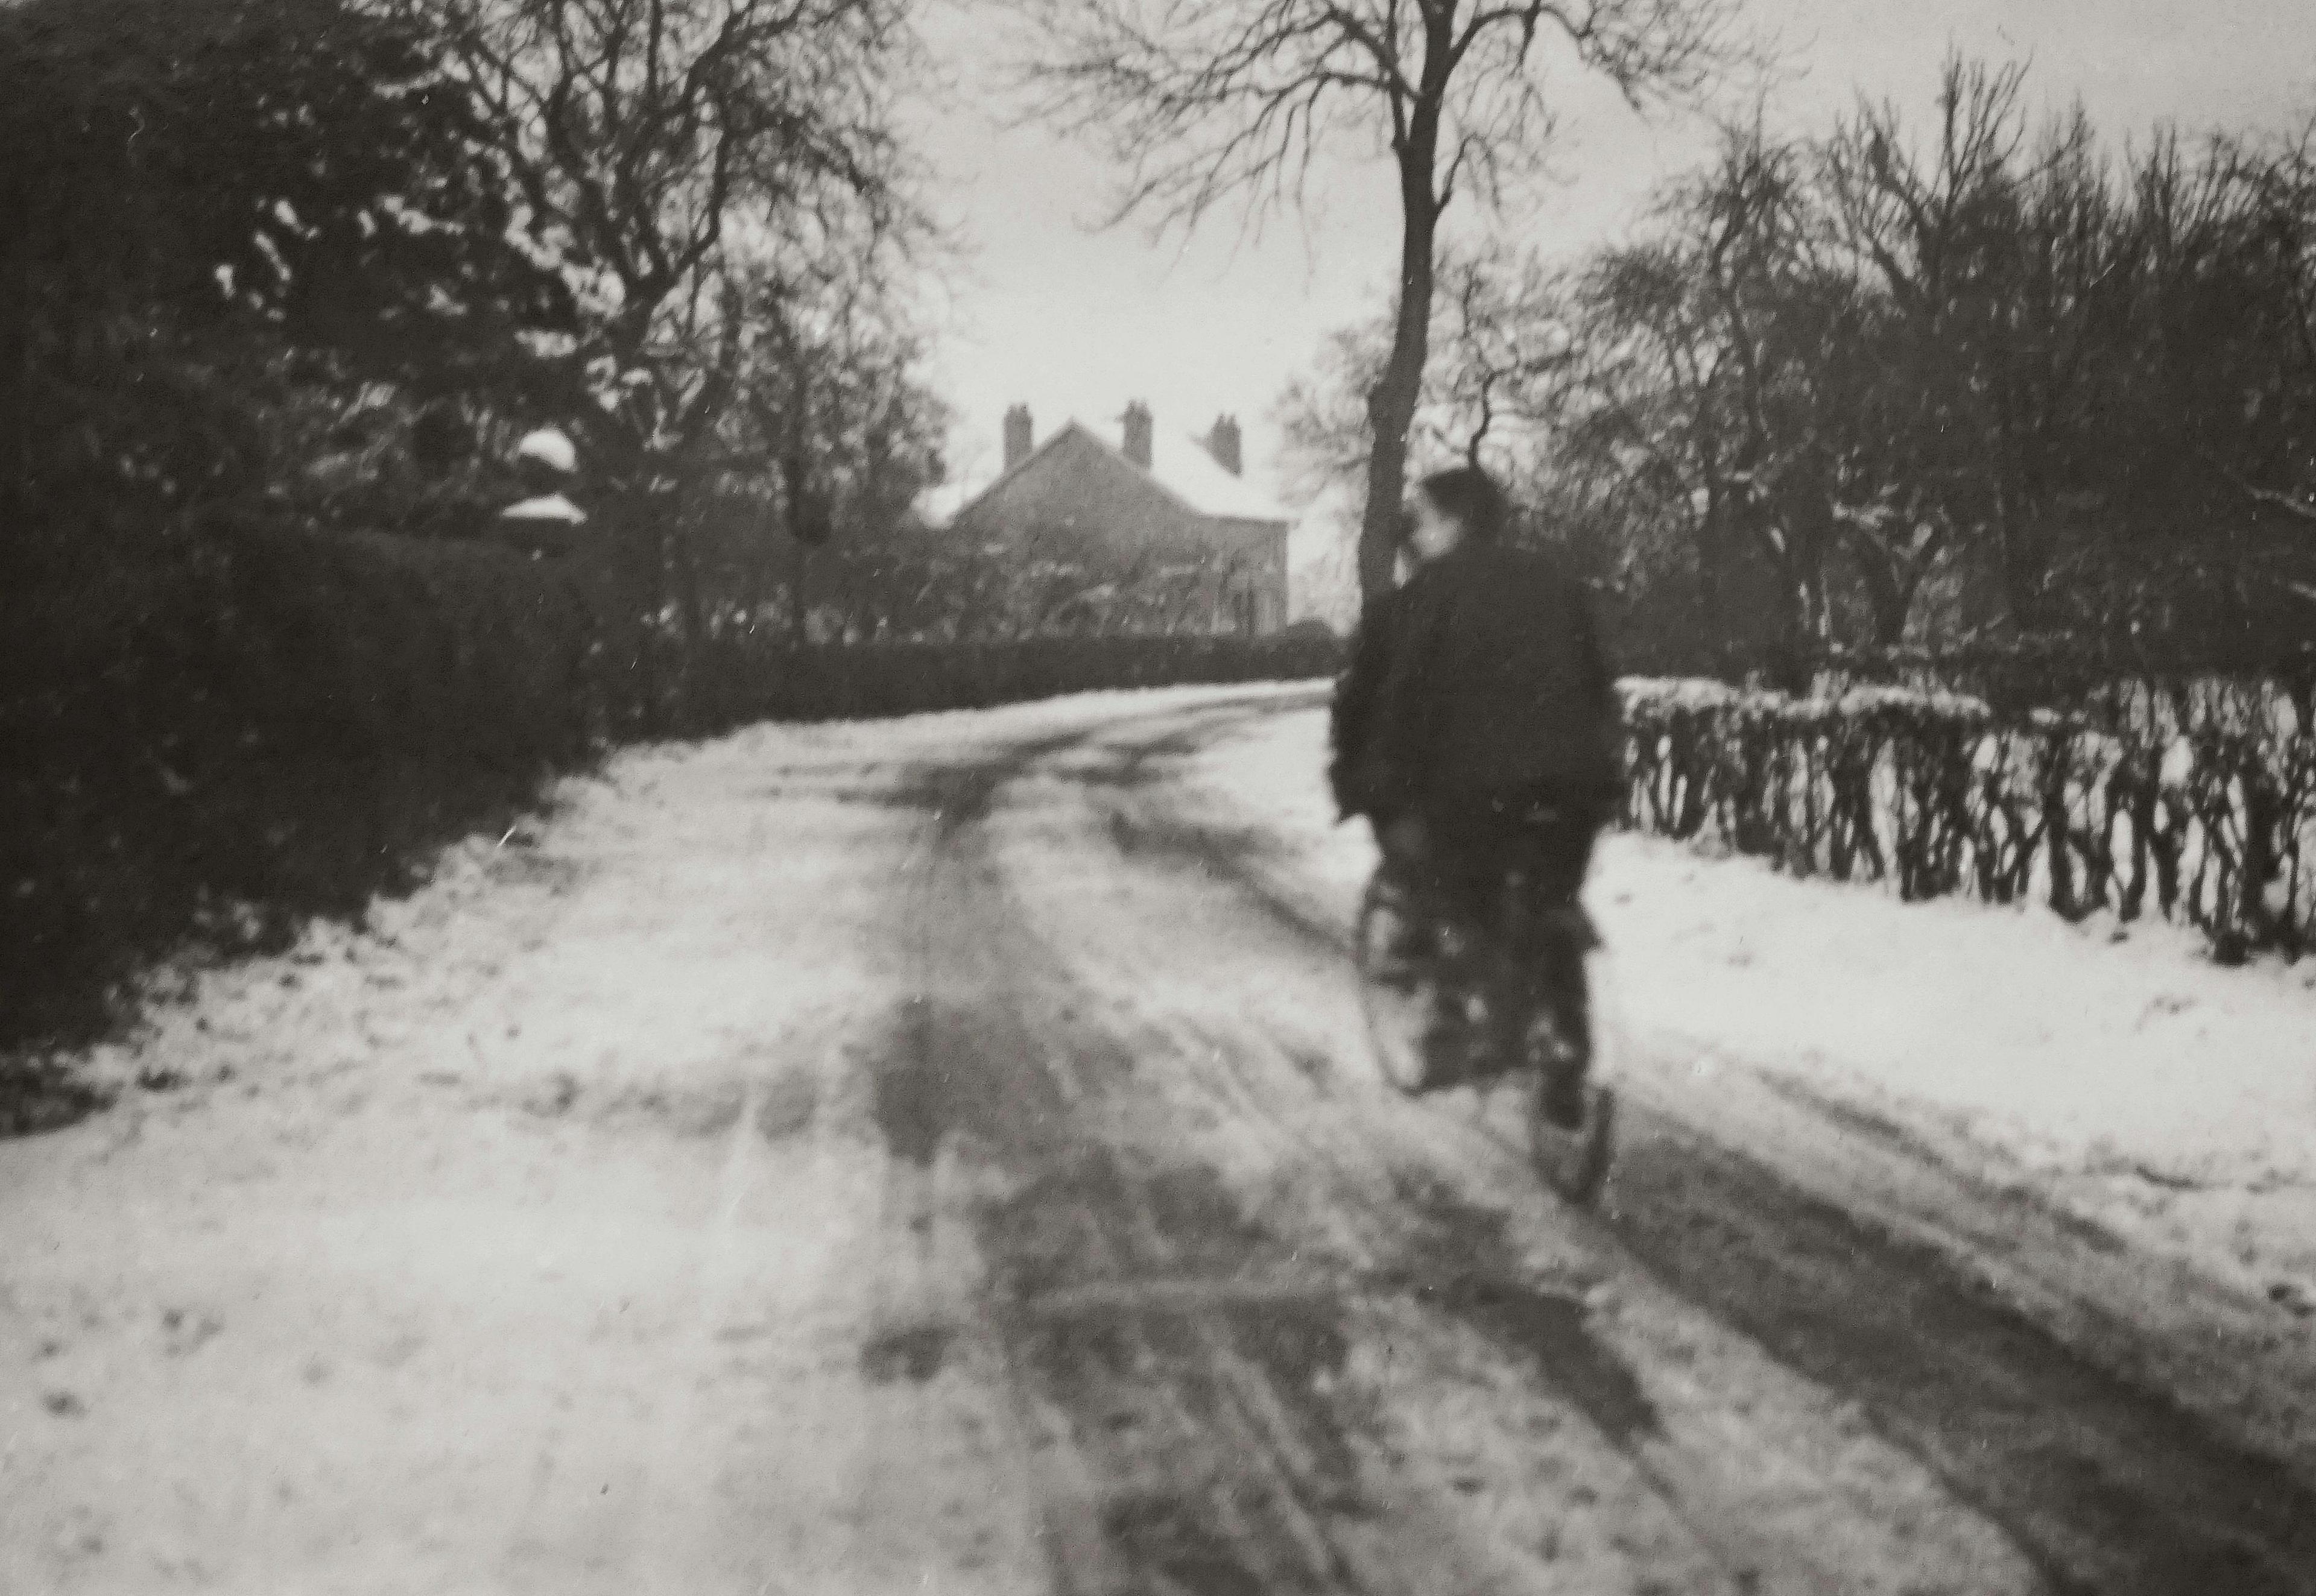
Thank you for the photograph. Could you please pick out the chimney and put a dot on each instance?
(1138, 434)
(1223, 444)
(1017, 436)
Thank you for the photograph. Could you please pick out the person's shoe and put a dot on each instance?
(1389, 969)
(1447, 1045)
(1405, 954)
(1573, 926)
(1565, 1099)
(1412, 940)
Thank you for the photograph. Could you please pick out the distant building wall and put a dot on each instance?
(1078, 494)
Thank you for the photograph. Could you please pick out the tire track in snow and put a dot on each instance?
(1539, 1323)
(1217, 1463)
(2107, 1485)
(1450, 1258)
(671, 1519)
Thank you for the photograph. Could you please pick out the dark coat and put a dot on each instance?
(1481, 681)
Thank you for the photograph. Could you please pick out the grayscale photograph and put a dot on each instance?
(1158, 797)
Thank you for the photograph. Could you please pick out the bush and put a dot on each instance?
(2199, 798)
(216, 740)
(1310, 630)
(861, 680)
(239, 230)
(271, 724)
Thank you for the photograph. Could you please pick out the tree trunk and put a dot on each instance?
(2021, 545)
(696, 660)
(16, 339)
(1392, 403)
(1717, 581)
(799, 613)
(1791, 655)
(625, 557)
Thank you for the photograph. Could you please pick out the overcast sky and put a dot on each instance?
(1076, 322)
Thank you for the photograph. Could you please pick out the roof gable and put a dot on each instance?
(1185, 475)
(1194, 476)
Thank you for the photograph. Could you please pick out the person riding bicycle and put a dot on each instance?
(1476, 729)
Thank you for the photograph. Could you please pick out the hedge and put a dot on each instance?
(2196, 800)
(214, 739)
(864, 680)
(221, 738)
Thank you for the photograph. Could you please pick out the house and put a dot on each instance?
(1168, 534)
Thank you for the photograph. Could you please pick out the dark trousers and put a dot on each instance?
(1505, 878)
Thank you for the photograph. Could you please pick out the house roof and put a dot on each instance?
(1194, 476)
(1181, 466)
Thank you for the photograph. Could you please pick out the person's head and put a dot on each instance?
(1451, 507)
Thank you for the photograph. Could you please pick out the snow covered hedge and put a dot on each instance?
(2201, 804)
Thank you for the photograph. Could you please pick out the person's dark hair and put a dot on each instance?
(1472, 496)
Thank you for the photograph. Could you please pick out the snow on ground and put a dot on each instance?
(509, 1240)
(2124, 1076)
(507, 1244)
(1250, 1058)
(537, 1234)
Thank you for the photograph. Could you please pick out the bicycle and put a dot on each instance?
(1522, 966)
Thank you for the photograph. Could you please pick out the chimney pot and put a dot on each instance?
(1223, 444)
(1138, 434)
(1018, 436)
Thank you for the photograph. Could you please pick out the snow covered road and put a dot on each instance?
(942, 1156)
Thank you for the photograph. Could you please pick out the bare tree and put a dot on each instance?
(1211, 100)
(1937, 228)
(1958, 382)
(833, 434)
(1500, 327)
(1510, 350)
(663, 152)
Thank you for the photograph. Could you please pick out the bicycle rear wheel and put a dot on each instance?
(1575, 1163)
(1395, 997)
(1572, 1159)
